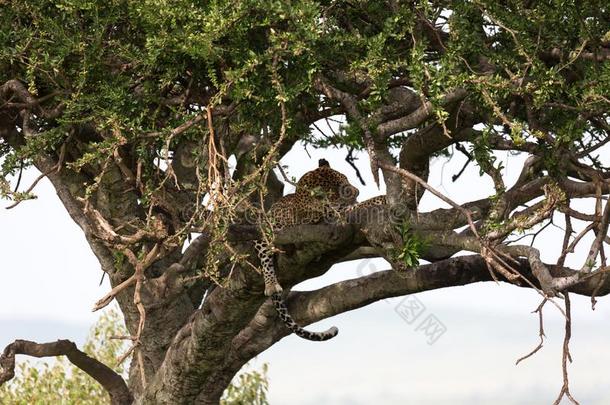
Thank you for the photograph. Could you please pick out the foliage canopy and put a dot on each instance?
(160, 125)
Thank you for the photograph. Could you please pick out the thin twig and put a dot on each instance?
(565, 389)
(55, 168)
(540, 332)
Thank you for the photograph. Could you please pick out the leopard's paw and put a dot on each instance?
(272, 289)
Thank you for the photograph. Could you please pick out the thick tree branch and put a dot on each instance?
(351, 294)
(205, 340)
(418, 116)
(350, 103)
(313, 306)
(112, 382)
(14, 88)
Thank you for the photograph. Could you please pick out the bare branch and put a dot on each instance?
(406, 174)
(541, 334)
(565, 389)
(349, 102)
(355, 293)
(112, 382)
(602, 233)
(418, 116)
(313, 306)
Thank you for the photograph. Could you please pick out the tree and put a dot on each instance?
(65, 383)
(160, 124)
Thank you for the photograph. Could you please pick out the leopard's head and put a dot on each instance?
(327, 183)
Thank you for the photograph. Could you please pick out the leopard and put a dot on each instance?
(321, 195)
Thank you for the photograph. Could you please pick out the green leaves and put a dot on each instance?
(249, 387)
(60, 382)
(412, 246)
(128, 66)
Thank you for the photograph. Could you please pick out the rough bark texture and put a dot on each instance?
(143, 166)
(111, 381)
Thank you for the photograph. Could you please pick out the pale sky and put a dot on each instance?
(49, 280)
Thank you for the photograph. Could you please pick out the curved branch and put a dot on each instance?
(418, 116)
(308, 307)
(15, 88)
(112, 382)
(313, 306)
(351, 294)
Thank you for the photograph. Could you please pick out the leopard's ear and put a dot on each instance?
(323, 162)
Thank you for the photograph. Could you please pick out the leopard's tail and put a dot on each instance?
(282, 311)
(274, 290)
(265, 255)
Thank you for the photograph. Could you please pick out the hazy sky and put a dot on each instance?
(49, 280)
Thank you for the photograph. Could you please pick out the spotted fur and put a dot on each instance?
(282, 310)
(321, 195)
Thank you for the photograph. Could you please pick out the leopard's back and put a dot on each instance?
(320, 194)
